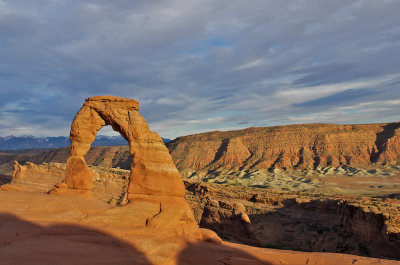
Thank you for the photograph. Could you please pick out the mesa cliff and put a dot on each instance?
(307, 146)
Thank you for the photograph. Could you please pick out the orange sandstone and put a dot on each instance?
(155, 190)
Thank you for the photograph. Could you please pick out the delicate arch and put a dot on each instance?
(152, 170)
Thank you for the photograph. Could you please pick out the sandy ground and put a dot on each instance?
(37, 228)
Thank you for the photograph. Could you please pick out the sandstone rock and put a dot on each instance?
(78, 175)
(199, 189)
(60, 188)
(152, 169)
(210, 236)
(10, 187)
(44, 176)
(230, 220)
(155, 190)
(17, 172)
(297, 222)
(36, 229)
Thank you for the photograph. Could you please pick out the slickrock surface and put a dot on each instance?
(308, 146)
(43, 229)
(301, 221)
(109, 185)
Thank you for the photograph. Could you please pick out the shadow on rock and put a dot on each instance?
(327, 226)
(5, 179)
(24, 242)
(209, 253)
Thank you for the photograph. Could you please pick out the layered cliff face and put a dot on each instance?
(330, 225)
(308, 146)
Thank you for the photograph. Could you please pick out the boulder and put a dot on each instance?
(230, 221)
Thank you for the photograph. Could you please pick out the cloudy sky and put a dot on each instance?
(200, 65)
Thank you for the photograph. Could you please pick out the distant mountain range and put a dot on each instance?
(32, 142)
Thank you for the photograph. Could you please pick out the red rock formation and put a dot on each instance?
(229, 220)
(359, 226)
(152, 169)
(44, 174)
(17, 172)
(156, 190)
(199, 189)
(289, 147)
(10, 187)
(36, 229)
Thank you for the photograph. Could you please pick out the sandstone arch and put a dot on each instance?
(155, 190)
(152, 170)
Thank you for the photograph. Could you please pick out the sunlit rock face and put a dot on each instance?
(152, 169)
(155, 190)
(304, 147)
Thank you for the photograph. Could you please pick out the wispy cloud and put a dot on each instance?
(199, 65)
(251, 64)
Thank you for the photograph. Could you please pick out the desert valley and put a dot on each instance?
(297, 194)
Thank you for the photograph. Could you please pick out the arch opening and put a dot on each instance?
(109, 150)
(110, 161)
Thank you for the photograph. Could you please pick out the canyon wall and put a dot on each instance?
(306, 222)
(329, 226)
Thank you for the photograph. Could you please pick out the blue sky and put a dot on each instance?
(197, 66)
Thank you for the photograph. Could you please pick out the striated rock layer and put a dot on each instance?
(307, 146)
(155, 190)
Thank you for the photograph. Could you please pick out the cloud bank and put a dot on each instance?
(197, 66)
